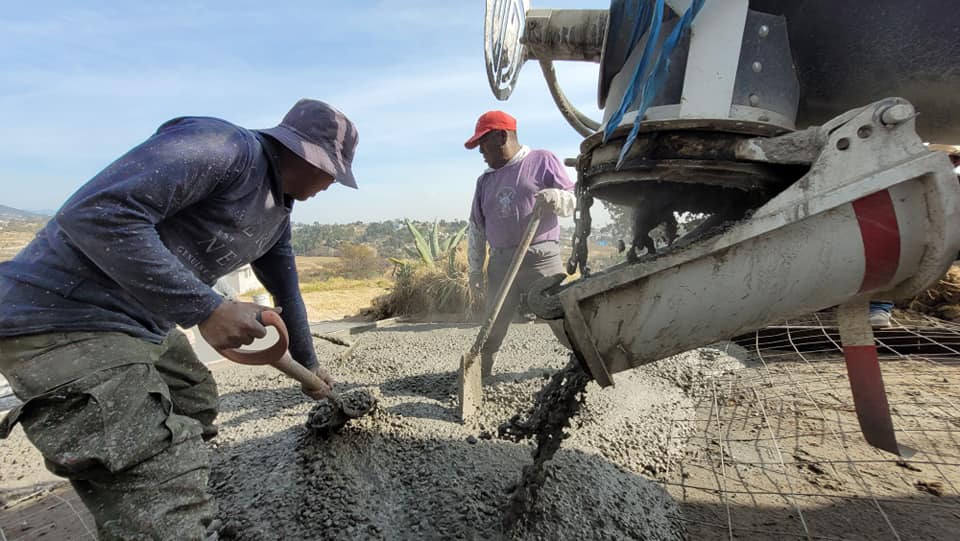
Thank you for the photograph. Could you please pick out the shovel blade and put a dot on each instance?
(470, 388)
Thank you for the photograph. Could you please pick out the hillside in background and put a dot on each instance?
(12, 214)
(17, 228)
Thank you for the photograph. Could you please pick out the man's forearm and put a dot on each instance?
(278, 273)
(476, 248)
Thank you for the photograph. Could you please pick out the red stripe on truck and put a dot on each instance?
(869, 397)
(881, 239)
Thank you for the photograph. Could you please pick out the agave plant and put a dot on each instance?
(432, 280)
(431, 250)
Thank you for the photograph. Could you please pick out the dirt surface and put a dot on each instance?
(777, 454)
(21, 468)
(410, 470)
(339, 303)
(941, 299)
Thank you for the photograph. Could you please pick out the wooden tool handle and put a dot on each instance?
(297, 371)
(264, 356)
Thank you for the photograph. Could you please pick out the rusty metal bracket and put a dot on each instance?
(866, 380)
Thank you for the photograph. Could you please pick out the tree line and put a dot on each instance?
(388, 238)
(391, 238)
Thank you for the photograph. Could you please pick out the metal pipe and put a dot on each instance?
(584, 125)
(565, 34)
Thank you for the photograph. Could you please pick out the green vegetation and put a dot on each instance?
(433, 251)
(435, 282)
(388, 238)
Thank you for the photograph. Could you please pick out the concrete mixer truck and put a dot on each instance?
(797, 127)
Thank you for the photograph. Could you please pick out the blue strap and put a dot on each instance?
(655, 80)
(650, 22)
(641, 22)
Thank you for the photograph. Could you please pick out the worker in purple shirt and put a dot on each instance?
(502, 206)
(114, 396)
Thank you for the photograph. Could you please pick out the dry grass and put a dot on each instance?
(337, 284)
(310, 267)
(337, 298)
(942, 299)
(419, 290)
(13, 239)
(334, 298)
(424, 292)
(341, 303)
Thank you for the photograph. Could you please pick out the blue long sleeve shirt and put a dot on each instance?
(137, 248)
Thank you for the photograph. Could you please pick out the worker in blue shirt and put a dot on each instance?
(113, 395)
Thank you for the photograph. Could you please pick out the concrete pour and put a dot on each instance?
(411, 470)
(330, 415)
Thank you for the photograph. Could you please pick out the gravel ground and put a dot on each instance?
(410, 470)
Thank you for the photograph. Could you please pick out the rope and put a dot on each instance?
(648, 81)
(646, 23)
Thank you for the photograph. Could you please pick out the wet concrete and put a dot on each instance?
(410, 470)
(547, 420)
(331, 414)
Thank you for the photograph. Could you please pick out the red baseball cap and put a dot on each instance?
(489, 121)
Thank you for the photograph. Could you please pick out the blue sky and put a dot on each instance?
(84, 81)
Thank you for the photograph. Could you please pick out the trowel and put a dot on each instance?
(331, 413)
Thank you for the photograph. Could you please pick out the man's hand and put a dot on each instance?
(561, 202)
(476, 283)
(234, 324)
(476, 279)
(324, 392)
(324, 375)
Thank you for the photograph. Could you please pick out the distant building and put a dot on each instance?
(239, 282)
(230, 286)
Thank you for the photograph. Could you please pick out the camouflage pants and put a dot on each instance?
(122, 419)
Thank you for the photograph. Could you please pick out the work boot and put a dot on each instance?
(880, 319)
(486, 364)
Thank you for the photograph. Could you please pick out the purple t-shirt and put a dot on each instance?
(504, 198)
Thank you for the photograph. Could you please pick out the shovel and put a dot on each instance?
(276, 355)
(470, 388)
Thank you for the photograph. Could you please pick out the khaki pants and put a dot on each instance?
(122, 419)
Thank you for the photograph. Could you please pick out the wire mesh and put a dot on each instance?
(52, 513)
(778, 454)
